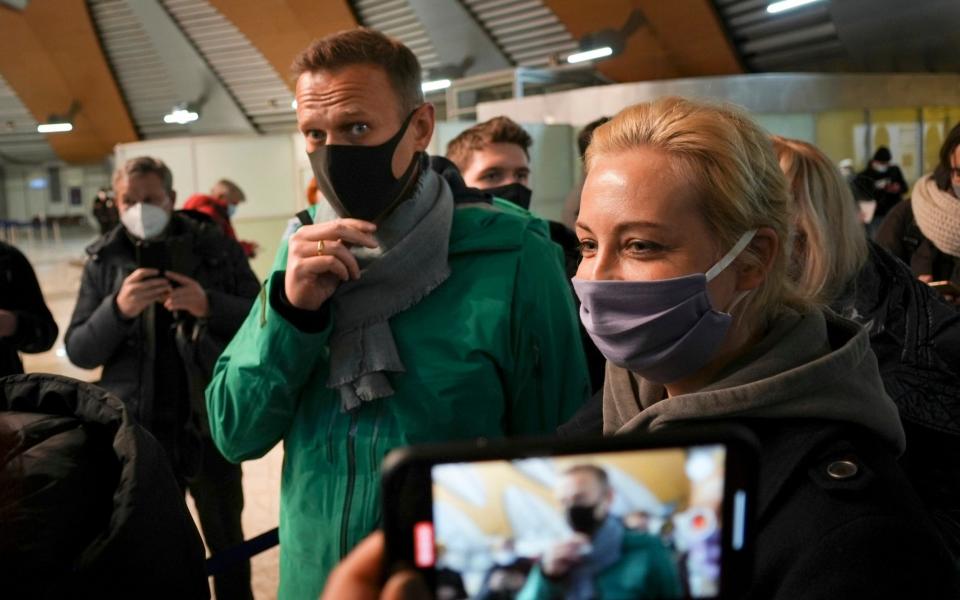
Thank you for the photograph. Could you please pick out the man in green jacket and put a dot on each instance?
(602, 559)
(397, 317)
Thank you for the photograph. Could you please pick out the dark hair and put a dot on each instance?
(597, 472)
(498, 130)
(583, 138)
(362, 46)
(143, 165)
(882, 154)
(941, 175)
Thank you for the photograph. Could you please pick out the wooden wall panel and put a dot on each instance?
(683, 38)
(50, 55)
(280, 29)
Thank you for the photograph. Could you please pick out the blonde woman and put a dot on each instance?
(686, 233)
(913, 331)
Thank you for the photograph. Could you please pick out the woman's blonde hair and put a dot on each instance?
(831, 245)
(729, 162)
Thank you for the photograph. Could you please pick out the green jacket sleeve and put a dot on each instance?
(548, 381)
(257, 381)
(538, 587)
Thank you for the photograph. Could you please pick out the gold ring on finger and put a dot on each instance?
(320, 248)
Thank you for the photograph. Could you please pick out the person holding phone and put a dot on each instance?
(26, 324)
(161, 295)
(685, 227)
(394, 315)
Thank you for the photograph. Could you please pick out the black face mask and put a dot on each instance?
(517, 193)
(583, 519)
(358, 181)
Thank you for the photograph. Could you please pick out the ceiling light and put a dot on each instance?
(435, 85)
(606, 42)
(785, 5)
(182, 114)
(54, 127)
(590, 55)
(293, 104)
(60, 123)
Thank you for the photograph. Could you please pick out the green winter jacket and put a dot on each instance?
(645, 570)
(493, 351)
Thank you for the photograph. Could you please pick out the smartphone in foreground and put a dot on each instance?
(649, 516)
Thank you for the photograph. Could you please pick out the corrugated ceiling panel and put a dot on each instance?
(140, 72)
(783, 41)
(19, 140)
(529, 32)
(244, 71)
(396, 19)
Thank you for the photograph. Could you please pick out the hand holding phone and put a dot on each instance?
(560, 507)
(139, 290)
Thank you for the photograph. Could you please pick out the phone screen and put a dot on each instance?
(645, 523)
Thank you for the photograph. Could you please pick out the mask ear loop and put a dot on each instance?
(725, 262)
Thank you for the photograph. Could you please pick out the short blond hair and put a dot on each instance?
(831, 245)
(729, 163)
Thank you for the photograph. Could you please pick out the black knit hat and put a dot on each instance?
(882, 154)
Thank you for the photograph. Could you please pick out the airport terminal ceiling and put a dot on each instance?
(124, 70)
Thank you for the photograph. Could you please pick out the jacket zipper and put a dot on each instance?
(351, 482)
(376, 435)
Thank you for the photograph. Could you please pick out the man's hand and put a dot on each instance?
(358, 577)
(565, 555)
(8, 323)
(139, 290)
(312, 276)
(190, 296)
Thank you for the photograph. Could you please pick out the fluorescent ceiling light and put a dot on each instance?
(54, 127)
(181, 116)
(785, 5)
(433, 86)
(293, 104)
(590, 55)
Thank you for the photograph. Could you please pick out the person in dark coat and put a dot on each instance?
(914, 333)
(494, 156)
(924, 231)
(882, 181)
(686, 288)
(89, 507)
(161, 296)
(26, 324)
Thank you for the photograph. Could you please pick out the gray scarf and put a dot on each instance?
(410, 263)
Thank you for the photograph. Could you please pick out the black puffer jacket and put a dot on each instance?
(89, 507)
(916, 337)
(20, 294)
(98, 335)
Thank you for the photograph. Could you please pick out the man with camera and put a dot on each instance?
(161, 295)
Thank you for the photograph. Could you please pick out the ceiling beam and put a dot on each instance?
(682, 38)
(51, 57)
(280, 29)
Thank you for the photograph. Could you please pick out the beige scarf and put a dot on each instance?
(938, 215)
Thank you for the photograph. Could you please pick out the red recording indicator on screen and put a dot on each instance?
(424, 554)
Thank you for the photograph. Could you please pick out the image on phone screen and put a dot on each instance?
(626, 524)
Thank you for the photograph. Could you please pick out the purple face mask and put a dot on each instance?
(663, 330)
